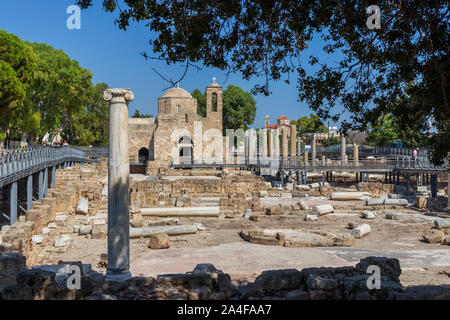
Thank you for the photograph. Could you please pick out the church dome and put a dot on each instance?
(177, 93)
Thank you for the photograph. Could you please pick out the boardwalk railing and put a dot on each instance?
(365, 150)
(14, 161)
(404, 162)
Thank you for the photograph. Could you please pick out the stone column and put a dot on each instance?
(313, 150)
(270, 143)
(284, 140)
(252, 144)
(263, 143)
(343, 148)
(305, 157)
(118, 185)
(276, 142)
(293, 140)
(299, 148)
(355, 154)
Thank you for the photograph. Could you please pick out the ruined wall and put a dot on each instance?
(71, 183)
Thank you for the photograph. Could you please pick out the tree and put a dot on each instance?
(330, 142)
(310, 125)
(91, 123)
(239, 107)
(137, 114)
(370, 68)
(17, 65)
(59, 93)
(384, 132)
(201, 102)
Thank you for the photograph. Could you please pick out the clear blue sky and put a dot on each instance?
(113, 56)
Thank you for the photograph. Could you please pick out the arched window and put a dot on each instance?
(178, 108)
(143, 155)
(214, 102)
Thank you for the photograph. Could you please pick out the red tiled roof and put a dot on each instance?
(282, 117)
(272, 126)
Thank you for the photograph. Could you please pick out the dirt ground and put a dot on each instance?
(390, 235)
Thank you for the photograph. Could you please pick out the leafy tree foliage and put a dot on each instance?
(370, 71)
(201, 102)
(43, 91)
(17, 66)
(239, 107)
(330, 142)
(137, 114)
(311, 124)
(383, 132)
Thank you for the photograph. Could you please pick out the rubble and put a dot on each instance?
(83, 206)
(361, 230)
(159, 241)
(322, 209)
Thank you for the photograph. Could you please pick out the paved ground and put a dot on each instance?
(245, 258)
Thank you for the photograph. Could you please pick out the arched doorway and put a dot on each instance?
(143, 155)
(185, 150)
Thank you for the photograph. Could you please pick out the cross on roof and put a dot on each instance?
(178, 84)
(214, 79)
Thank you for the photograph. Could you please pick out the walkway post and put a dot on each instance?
(30, 192)
(40, 185)
(118, 185)
(45, 182)
(53, 185)
(13, 203)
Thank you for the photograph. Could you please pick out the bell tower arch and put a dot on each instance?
(214, 104)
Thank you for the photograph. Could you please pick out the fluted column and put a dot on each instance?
(293, 140)
(118, 185)
(284, 140)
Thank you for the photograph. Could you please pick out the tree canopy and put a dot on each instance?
(239, 107)
(330, 141)
(47, 92)
(370, 70)
(137, 114)
(17, 69)
(311, 124)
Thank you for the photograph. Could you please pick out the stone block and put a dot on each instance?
(369, 214)
(434, 236)
(311, 217)
(159, 241)
(99, 231)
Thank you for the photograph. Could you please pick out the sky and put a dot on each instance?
(113, 56)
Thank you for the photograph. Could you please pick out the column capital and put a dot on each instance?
(120, 95)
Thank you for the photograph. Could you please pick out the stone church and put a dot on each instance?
(172, 135)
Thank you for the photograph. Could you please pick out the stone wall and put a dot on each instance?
(71, 184)
(206, 282)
